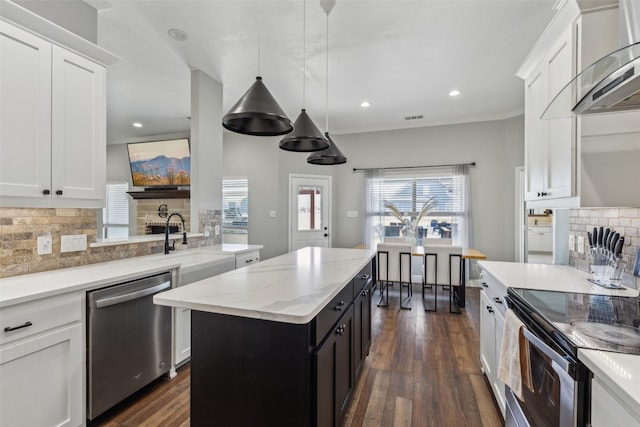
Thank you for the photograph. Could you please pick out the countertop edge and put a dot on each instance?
(162, 299)
(588, 357)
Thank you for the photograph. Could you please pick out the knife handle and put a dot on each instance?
(600, 236)
(618, 249)
(590, 238)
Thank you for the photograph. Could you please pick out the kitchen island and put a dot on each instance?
(280, 342)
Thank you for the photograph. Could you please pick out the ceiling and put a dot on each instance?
(402, 56)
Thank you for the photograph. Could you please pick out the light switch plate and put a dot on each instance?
(73, 242)
(272, 214)
(352, 214)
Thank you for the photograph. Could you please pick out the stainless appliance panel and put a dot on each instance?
(128, 340)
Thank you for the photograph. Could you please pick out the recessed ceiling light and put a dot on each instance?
(365, 104)
(177, 34)
(137, 125)
(454, 92)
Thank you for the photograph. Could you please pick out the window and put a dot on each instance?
(406, 192)
(235, 210)
(115, 216)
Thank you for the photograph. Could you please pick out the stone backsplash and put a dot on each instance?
(625, 221)
(20, 228)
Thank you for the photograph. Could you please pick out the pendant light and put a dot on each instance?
(257, 112)
(305, 136)
(331, 155)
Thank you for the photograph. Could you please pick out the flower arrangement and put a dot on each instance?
(410, 226)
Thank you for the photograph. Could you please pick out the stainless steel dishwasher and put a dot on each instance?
(128, 340)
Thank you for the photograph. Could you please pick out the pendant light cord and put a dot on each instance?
(326, 124)
(304, 51)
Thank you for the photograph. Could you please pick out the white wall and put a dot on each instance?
(497, 147)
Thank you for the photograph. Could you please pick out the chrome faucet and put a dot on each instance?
(167, 247)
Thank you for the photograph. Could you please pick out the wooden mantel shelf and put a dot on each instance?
(160, 194)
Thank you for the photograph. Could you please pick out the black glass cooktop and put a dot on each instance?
(587, 321)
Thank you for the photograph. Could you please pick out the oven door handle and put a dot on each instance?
(548, 351)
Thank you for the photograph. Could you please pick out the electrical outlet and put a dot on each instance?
(580, 244)
(216, 230)
(572, 242)
(45, 245)
(73, 242)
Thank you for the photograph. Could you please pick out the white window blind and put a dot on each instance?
(408, 191)
(115, 216)
(235, 210)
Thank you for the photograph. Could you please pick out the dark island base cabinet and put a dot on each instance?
(252, 372)
(335, 373)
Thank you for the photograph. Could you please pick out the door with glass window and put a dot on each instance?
(309, 211)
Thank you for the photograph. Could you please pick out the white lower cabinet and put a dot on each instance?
(247, 258)
(607, 410)
(183, 335)
(41, 370)
(491, 331)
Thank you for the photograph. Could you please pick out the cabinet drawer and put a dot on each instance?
(332, 312)
(247, 258)
(362, 279)
(492, 288)
(31, 318)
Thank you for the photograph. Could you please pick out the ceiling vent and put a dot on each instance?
(420, 117)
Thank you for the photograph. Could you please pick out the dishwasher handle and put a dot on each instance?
(119, 299)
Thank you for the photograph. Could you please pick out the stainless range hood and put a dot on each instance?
(612, 84)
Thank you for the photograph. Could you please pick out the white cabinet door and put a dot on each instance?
(549, 144)
(487, 336)
(25, 113)
(183, 335)
(560, 143)
(546, 240)
(78, 127)
(608, 410)
(535, 134)
(42, 380)
(534, 243)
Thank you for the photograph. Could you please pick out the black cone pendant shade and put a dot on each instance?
(305, 136)
(257, 113)
(330, 156)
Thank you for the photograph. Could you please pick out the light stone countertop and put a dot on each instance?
(561, 278)
(290, 288)
(29, 287)
(621, 372)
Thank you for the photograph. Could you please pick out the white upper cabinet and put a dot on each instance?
(25, 113)
(585, 161)
(549, 144)
(52, 118)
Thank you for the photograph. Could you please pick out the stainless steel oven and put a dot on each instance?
(558, 396)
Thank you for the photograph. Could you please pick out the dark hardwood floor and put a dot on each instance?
(423, 369)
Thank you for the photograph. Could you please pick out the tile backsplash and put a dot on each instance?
(20, 228)
(625, 221)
